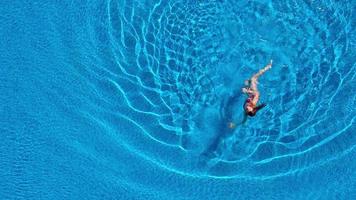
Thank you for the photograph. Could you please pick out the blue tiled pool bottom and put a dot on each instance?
(132, 99)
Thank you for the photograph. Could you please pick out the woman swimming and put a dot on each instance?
(251, 90)
(250, 106)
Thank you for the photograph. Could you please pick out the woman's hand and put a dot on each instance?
(269, 66)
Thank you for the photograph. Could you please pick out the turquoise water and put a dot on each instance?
(131, 99)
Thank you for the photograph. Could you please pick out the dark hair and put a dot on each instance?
(251, 113)
(254, 111)
(260, 107)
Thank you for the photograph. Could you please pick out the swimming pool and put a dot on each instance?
(131, 99)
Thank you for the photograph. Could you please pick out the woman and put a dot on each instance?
(250, 106)
(251, 90)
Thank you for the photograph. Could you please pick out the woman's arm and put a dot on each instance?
(262, 71)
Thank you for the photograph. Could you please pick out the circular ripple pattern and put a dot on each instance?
(176, 69)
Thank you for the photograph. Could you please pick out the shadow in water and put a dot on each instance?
(231, 111)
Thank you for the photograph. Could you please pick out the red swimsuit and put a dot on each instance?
(249, 101)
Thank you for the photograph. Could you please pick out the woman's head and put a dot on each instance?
(252, 111)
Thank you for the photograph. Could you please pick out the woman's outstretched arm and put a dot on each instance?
(258, 74)
(262, 71)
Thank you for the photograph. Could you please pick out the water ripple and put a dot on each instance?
(173, 72)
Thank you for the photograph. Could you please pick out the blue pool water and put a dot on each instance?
(129, 99)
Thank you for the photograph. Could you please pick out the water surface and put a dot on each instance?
(131, 100)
